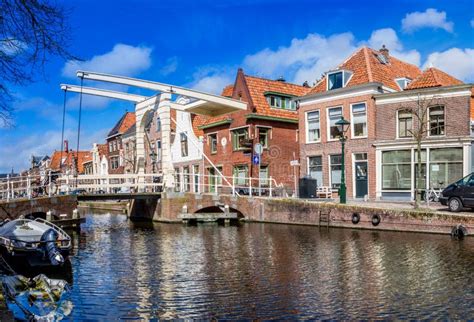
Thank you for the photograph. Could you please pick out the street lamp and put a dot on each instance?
(342, 126)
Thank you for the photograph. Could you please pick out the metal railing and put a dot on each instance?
(234, 185)
(26, 186)
(31, 186)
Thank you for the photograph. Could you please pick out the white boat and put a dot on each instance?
(37, 242)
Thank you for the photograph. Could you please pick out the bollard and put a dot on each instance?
(184, 209)
(75, 214)
(226, 209)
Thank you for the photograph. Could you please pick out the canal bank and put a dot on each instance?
(309, 212)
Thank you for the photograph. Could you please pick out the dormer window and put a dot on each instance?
(338, 79)
(280, 101)
(403, 82)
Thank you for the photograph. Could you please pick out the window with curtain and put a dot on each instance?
(359, 120)
(184, 144)
(437, 120)
(334, 115)
(241, 174)
(335, 165)
(313, 126)
(405, 123)
(315, 167)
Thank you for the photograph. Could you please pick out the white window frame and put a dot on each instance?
(330, 173)
(307, 126)
(328, 122)
(397, 127)
(209, 142)
(429, 121)
(322, 167)
(344, 80)
(406, 80)
(366, 121)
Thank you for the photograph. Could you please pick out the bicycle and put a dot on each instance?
(433, 194)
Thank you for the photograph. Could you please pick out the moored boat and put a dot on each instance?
(34, 242)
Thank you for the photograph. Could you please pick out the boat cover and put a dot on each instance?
(37, 299)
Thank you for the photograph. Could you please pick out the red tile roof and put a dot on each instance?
(366, 68)
(257, 87)
(228, 90)
(433, 77)
(69, 158)
(125, 122)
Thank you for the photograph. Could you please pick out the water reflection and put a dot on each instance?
(262, 271)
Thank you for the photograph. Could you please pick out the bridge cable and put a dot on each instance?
(62, 132)
(79, 130)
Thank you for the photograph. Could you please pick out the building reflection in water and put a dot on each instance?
(264, 271)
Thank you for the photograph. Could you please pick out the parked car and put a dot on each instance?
(78, 192)
(459, 194)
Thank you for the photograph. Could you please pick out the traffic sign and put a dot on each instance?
(256, 159)
(258, 148)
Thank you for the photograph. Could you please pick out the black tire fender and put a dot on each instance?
(355, 218)
(458, 232)
(376, 220)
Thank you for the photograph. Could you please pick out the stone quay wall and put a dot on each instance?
(301, 212)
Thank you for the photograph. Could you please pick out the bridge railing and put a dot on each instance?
(238, 185)
(110, 183)
(25, 186)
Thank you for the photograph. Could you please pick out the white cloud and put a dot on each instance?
(455, 61)
(431, 18)
(389, 38)
(170, 66)
(213, 79)
(122, 60)
(304, 59)
(16, 152)
(307, 59)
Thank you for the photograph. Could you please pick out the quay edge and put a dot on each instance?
(304, 212)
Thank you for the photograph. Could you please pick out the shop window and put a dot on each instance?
(396, 170)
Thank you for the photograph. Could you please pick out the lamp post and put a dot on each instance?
(342, 126)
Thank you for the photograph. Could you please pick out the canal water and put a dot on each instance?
(125, 270)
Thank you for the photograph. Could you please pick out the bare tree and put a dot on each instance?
(31, 31)
(419, 108)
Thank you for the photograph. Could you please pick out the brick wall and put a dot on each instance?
(457, 117)
(326, 147)
(58, 205)
(282, 144)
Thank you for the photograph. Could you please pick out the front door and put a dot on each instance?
(361, 179)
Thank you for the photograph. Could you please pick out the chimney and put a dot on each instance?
(305, 84)
(384, 52)
(66, 147)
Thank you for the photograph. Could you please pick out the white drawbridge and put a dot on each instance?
(163, 101)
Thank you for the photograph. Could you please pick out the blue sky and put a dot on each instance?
(201, 44)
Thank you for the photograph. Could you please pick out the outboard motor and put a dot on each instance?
(49, 238)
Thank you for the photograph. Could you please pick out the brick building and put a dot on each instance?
(348, 91)
(69, 161)
(446, 143)
(270, 119)
(114, 143)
